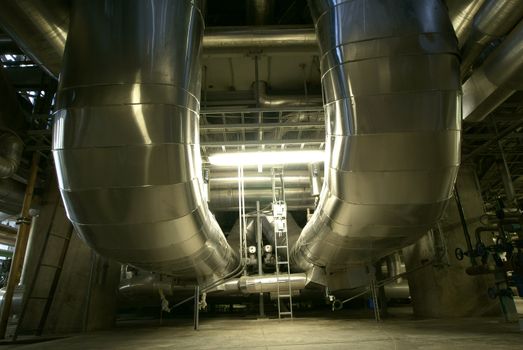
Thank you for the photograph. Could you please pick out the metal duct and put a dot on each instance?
(223, 186)
(496, 80)
(227, 199)
(461, 13)
(392, 101)
(495, 19)
(269, 283)
(149, 285)
(275, 101)
(126, 141)
(39, 27)
(228, 179)
(234, 39)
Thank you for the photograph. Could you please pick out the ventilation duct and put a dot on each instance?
(126, 141)
(267, 38)
(390, 74)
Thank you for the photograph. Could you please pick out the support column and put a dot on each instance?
(446, 290)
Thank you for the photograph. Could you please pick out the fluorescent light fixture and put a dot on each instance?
(267, 158)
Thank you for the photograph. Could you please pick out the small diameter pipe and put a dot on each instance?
(20, 247)
(464, 225)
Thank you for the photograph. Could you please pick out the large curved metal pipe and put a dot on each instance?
(495, 19)
(461, 13)
(390, 74)
(497, 78)
(126, 141)
(39, 27)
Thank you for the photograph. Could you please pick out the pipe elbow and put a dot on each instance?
(12, 148)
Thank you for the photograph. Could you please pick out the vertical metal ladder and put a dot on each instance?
(55, 265)
(281, 243)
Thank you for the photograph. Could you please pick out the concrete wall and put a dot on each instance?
(446, 290)
(67, 313)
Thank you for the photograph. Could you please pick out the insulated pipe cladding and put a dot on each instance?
(390, 75)
(126, 142)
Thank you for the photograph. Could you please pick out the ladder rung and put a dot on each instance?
(282, 262)
(286, 313)
(281, 246)
(284, 296)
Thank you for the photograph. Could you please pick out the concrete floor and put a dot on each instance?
(336, 332)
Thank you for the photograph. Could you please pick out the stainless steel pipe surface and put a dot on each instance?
(390, 74)
(461, 13)
(269, 283)
(126, 143)
(495, 19)
(39, 27)
(231, 39)
(497, 78)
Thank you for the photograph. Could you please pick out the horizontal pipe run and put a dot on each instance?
(260, 38)
(263, 142)
(41, 28)
(250, 126)
(149, 285)
(227, 199)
